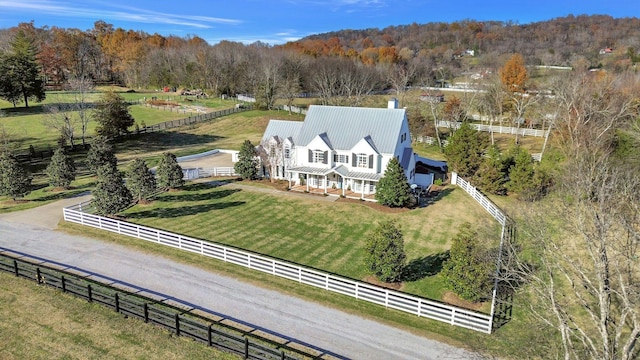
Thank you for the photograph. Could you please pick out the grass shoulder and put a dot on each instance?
(43, 323)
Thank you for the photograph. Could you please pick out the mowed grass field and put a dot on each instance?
(26, 126)
(312, 232)
(37, 322)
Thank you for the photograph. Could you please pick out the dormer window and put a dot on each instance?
(362, 161)
(318, 156)
(287, 152)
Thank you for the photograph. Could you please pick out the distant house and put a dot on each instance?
(436, 98)
(340, 150)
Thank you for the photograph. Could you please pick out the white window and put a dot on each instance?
(344, 159)
(357, 186)
(318, 156)
(272, 151)
(372, 188)
(287, 152)
(362, 161)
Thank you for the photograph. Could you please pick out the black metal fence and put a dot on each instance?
(181, 321)
(32, 154)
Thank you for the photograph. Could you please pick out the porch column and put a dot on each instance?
(325, 184)
(344, 186)
(362, 196)
(289, 179)
(308, 178)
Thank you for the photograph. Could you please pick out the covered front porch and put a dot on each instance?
(337, 181)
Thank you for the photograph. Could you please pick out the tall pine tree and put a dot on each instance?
(20, 72)
(140, 181)
(393, 188)
(247, 165)
(100, 153)
(15, 181)
(169, 172)
(112, 115)
(491, 175)
(465, 150)
(61, 170)
(110, 195)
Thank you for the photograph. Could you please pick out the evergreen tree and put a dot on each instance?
(491, 175)
(521, 171)
(112, 115)
(465, 150)
(247, 165)
(61, 170)
(385, 256)
(169, 172)
(467, 272)
(100, 153)
(140, 181)
(15, 181)
(110, 195)
(393, 188)
(20, 72)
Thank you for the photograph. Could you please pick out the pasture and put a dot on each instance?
(306, 230)
(38, 322)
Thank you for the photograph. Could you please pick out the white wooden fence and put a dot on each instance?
(480, 198)
(359, 290)
(497, 129)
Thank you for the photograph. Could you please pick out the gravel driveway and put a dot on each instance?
(340, 334)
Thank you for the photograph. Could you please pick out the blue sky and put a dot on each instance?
(276, 22)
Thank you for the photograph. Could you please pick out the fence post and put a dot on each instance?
(89, 293)
(64, 284)
(209, 336)
(15, 267)
(178, 324)
(38, 276)
(117, 302)
(146, 312)
(246, 348)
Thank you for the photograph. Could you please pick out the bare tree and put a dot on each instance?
(271, 154)
(584, 244)
(81, 88)
(60, 117)
(400, 75)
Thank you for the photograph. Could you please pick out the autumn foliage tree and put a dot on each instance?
(514, 74)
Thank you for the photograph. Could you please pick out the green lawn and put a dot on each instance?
(324, 235)
(37, 322)
(26, 126)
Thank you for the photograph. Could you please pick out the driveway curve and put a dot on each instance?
(340, 334)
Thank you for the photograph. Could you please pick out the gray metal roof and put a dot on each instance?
(283, 129)
(345, 126)
(406, 157)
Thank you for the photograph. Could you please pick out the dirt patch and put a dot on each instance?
(453, 299)
(375, 281)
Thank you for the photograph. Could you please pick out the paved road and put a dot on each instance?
(339, 334)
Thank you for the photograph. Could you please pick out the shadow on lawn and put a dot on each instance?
(182, 211)
(162, 140)
(185, 196)
(424, 266)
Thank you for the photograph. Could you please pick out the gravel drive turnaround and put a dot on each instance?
(339, 334)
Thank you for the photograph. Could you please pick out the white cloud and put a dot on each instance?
(123, 13)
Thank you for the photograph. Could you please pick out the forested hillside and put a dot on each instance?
(568, 41)
(414, 54)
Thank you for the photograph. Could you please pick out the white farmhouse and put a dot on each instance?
(340, 150)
